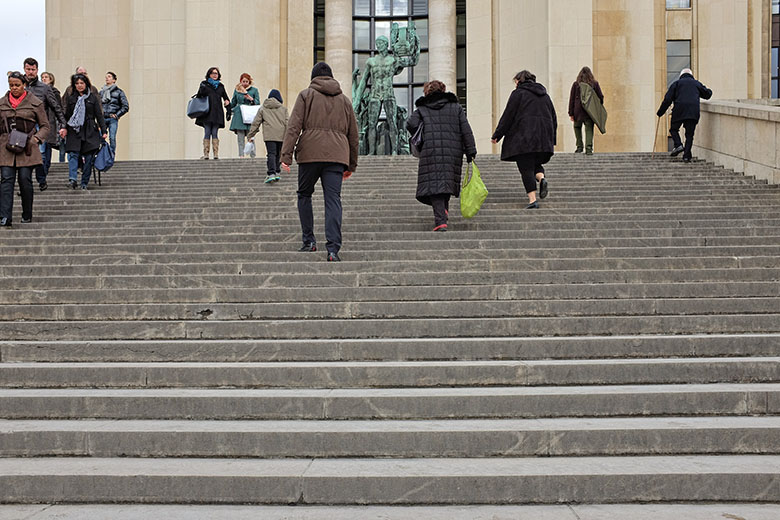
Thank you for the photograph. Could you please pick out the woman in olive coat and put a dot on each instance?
(24, 112)
(577, 113)
(447, 136)
(85, 129)
(528, 127)
(214, 119)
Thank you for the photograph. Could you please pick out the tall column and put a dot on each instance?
(338, 41)
(442, 42)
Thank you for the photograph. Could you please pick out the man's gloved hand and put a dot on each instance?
(470, 157)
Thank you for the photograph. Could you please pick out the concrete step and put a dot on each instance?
(300, 328)
(388, 374)
(303, 512)
(386, 481)
(393, 403)
(393, 439)
(432, 309)
(386, 349)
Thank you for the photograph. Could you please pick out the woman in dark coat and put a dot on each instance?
(578, 114)
(214, 119)
(85, 129)
(447, 136)
(529, 125)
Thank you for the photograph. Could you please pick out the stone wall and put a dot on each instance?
(742, 135)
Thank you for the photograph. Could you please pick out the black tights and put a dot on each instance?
(529, 167)
(441, 205)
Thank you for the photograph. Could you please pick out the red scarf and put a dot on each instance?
(15, 102)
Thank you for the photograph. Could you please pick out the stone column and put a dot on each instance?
(338, 41)
(442, 41)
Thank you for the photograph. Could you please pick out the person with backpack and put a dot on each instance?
(578, 114)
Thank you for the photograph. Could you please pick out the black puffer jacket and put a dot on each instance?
(447, 136)
(216, 113)
(117, 104)
(685, 93)
(528, 124)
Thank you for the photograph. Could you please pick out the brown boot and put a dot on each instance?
(205, 149)
(215, 148)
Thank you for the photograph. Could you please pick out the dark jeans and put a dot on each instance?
(441, 205)
(210, 131)
(74, 158)
(42, 170)
(331, 176)
(690, 129)
(529, 166)
(112, 124)
(274, 156)
(8, 176)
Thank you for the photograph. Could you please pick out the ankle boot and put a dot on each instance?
(206, 149)
(215, 148)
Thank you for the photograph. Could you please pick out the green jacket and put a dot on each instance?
(592, 105)
(236, 121)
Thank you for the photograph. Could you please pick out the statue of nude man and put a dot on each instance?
(382, 68)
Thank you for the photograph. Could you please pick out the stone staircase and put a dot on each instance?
(162, 341)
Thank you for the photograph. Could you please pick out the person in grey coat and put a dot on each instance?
(685, 93)
(54, 112)
(447, 136)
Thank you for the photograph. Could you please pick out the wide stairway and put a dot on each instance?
(162, 341)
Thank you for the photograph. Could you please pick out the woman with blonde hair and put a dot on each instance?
(244, 94)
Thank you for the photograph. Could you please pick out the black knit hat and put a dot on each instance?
(321, 69)
(276, 95)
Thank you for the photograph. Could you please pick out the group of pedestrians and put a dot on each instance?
(35, 119)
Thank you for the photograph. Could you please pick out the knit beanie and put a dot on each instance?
(276, 95)
(321, 69)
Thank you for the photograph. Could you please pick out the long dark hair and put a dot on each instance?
(525, 75)
(82, 77)
(586, 76)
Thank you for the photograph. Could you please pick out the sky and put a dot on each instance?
(22, 34)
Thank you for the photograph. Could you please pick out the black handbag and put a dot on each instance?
(17, 140)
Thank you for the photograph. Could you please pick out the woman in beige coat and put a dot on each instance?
(273, 117)
(20, 110)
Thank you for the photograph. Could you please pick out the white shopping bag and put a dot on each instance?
(249, 148)
(248, 113)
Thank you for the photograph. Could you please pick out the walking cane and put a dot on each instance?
(655, 139)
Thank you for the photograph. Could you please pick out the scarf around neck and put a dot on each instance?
(213, 82)
(76, 121)
(105, 92)
(15, 101)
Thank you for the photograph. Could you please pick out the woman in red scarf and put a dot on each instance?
(21, 111)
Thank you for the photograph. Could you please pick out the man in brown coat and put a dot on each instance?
(322, 131)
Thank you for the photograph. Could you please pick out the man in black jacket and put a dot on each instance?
(54, 112)
(685, 94)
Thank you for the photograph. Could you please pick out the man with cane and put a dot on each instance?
(685, 94)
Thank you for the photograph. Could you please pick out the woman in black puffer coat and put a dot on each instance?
(529, 125)
(447, 136)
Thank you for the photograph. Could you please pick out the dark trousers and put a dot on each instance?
(42, 170)
(8, 176)
(529, 166)
(690, 129)
(441, 205)
(331, 175)
(273, 151)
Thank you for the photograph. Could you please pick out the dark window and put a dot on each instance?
(678, 57)
(460, 71)
(319, 31)
(775, 70)
(678, 4)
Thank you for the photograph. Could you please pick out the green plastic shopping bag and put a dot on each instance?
(473, 193)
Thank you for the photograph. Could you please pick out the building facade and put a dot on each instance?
(161, 49)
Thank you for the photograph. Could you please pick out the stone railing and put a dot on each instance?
(742, 135)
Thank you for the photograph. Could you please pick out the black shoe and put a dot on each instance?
(72, 185)
(44, 186)
(686, 159)
(83, 187)
(533, 205)
(677, 151)
(333, 257)
(578, 150)
(26, 220)
(310, 247)
(5, 222)
(543, 188)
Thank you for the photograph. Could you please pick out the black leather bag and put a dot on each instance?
(17, 140)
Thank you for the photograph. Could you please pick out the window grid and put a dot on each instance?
(678, 57)
(678, 4)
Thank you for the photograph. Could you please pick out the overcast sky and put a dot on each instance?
(22, 34)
